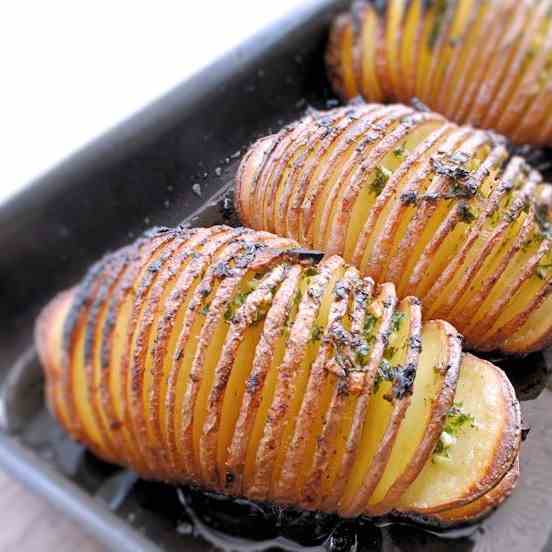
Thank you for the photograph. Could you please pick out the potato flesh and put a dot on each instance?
(438, 484)
(389, 194)
(412, 431)
(482, 63)
(175, 298)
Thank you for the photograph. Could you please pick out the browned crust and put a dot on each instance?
(73, 326)
(538, 342)
(363, 160)
(374, 473)
(200, 248)
(381, 250)
(142, 287)
(484, 505)
(439, 410)
(219, 292)
(139, 255)
(311, 493)
(243, 319)
(240, 256)
(469, 238)
(313, 142)
(405, 125)
(500, 64)
(272, 330)
(304, 176)
(507, 89)
(148, 317)
(339, 146)
(474, 328)
(92, 346)
(287, 488)
(414, 164)
(299, 336)
(275, 168)
(469, 143)
(385, 299)
(508, 181)
(475, 65)
(509, 328)
(505, 451)
(420, 181)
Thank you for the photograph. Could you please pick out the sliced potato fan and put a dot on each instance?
(222, 357)
(410, 198)
(486, 63)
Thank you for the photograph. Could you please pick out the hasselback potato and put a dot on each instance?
(487, 63)
(408, 197)
(230, 359)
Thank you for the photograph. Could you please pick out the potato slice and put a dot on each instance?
(483, 505)
(420, 429)
(49, 343)
(482, 63)
(231, 361)
(482, 455)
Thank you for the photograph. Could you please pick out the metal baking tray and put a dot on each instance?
(175, 160)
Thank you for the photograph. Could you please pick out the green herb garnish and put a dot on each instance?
(380, 179)
(467, 213)
(316, 333)
(456, 420)
(236, 303)
(396, 320)
(399, 151)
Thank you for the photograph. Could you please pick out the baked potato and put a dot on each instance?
(410, 198)
(230, 359)
(486, 63)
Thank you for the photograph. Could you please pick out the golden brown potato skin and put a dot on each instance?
(226, 358)
(408, 197)
(484, 63)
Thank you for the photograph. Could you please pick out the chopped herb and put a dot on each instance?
(369, 323)
(396, 320)
(316, 333)
(399, 151)
(467, 213)
(386, 372)
(454, 167)
(389, 352)
(409, 198)
(362, 354)
(455, 421)
(205, 309)
(311, 271)
(404, 380)
(236, 303)
(542, 271)
(380, 179)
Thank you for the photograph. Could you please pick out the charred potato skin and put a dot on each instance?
(195, 283)
(480, 63)
(437, 209)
